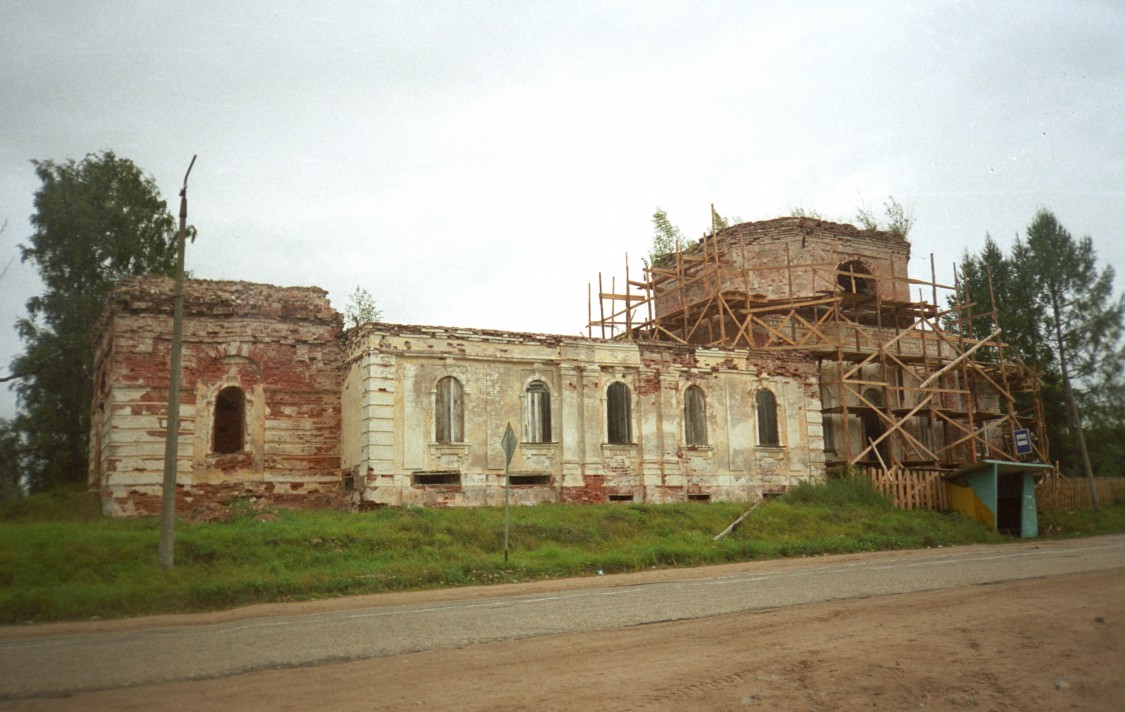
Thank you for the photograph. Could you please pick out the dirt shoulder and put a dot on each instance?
(1044, 644)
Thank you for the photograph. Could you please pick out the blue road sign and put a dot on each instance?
(1022, 438)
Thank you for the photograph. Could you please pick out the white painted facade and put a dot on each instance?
(392, 454)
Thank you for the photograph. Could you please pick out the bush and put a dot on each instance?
(844, 491)
(62, 504)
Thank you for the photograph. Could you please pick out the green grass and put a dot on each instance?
(60, 559)
(1082, 522)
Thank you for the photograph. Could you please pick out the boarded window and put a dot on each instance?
(527, 480)
(423, 479)
(828, 400)
(925, 432)
(537, 413)
(695, 416)
(449, 410)
(619, 416)
(229, 422)
(767, 419)
(873, 426)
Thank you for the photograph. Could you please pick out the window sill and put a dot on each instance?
(450, 450)
(229, 461)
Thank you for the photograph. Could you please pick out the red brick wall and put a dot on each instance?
(279, 345)
(790, 257)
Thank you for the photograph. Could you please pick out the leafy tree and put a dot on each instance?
(9, 462)
(1103, 410)
(361, 308)
(718, 222)
(866, 218)
(666, 238)
(899, 220)
(96, 221)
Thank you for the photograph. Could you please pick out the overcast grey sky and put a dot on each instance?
(478, 163)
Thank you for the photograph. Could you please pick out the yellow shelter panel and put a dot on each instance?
(966, 501)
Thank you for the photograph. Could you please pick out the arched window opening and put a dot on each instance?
(449, 410)
(695, 416)
(229, 428)
(537, 413)
(619, 414)
(767, 419)
(855, 278)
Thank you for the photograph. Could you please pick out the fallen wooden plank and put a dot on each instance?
(734, 525)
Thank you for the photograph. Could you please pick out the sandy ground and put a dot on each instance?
(1044, 644)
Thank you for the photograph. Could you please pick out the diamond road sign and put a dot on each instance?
(1022, 439)
(509, 444)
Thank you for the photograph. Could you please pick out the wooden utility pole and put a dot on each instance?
(172, 438)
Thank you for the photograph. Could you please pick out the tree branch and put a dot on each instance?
(36, 369)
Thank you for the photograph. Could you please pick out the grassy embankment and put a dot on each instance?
(59, 559)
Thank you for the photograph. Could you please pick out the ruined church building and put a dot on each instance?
(756, 358)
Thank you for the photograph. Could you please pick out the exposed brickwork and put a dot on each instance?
(278, 345)
(348, 419)
(788, 258)
(592, 491)
(332, 418)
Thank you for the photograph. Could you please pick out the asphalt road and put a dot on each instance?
(52, 660)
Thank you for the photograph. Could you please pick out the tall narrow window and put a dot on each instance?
(537, 413)
(873, 427)
(695, 416)
(925, 431)
(828, 424)
(449, 410)
(229, 421)
(619, 417)
(767, 419)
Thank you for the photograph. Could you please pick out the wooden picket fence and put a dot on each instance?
(911, 489)
(927, 489)
(1061, 494)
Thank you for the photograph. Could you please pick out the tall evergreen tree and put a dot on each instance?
(1082, 321)
(990, 279)
(96, 221)
(1058, 313)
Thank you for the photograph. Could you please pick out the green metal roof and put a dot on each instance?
(1003, 467)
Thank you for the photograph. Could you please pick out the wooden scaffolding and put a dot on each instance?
(903, 384)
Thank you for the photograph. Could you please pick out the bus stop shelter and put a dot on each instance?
(1000, 495)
